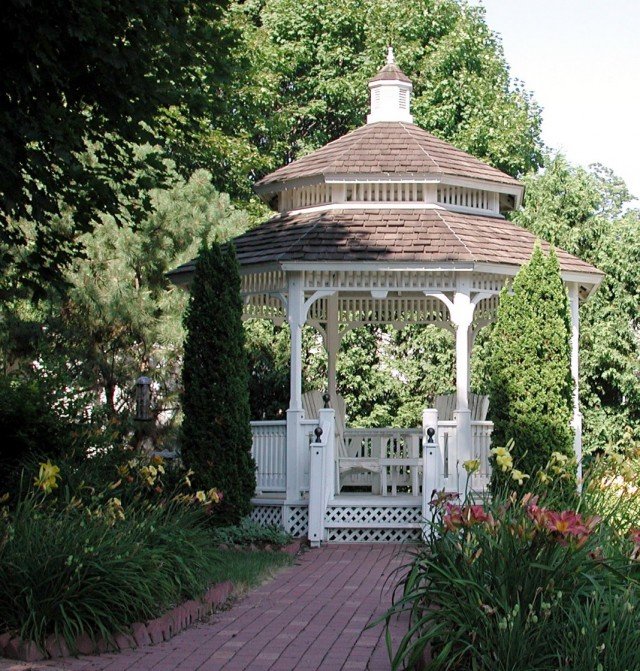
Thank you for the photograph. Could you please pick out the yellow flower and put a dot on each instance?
(471, 466)
(114, 510)
(48, 477)
(519, 476)
(543, 477)
(214, 495)
(503, 458)
(201, 496)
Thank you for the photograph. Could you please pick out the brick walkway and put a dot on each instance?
(311, 616)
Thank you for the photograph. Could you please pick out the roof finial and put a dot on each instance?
(390, 57)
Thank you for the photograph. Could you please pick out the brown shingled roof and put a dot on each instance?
(390, 72)
(399, 235)
(388, 148)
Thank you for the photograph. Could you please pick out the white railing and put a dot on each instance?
(481, 444)
(269, 452)
(394, 449)
(480, 449)
(396, 453)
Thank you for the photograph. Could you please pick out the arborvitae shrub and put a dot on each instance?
(529, 370)
(216, 434)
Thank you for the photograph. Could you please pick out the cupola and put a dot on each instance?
(390, 94)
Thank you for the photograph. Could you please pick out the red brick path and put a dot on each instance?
(311, 616)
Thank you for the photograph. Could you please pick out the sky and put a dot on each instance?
(581, 60)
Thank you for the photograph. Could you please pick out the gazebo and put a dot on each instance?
(385, 225)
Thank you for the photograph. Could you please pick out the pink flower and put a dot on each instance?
(466, 516)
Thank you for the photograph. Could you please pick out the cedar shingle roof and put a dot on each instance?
(400, 235)
(388, 148)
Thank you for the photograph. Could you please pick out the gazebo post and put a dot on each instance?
(576, 423)
(295, 413)
(333, 344)
(461, 316)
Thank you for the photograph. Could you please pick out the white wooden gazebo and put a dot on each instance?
(387, 225)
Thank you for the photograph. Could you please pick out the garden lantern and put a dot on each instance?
(143, 399)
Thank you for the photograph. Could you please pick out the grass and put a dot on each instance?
(249, 569)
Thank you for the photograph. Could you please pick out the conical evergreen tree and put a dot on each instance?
(529, 369)
(216, 434)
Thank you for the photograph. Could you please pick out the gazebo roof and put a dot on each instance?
(425, 236)
(386, 148)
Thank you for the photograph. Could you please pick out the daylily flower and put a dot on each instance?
(471, 466)
(48, 477)
(503, 458)
(519, 476)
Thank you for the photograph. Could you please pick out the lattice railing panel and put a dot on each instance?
(264, 306)
(382, 279)
(267, 516)
(257, 283)
(354, 516)
(297, 520)
(364, 535)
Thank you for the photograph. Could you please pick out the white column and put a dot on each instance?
(295, 317)
(576, 423)
(461, 317)
(333, 345)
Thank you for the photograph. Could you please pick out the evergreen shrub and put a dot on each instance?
(30, 428)
(216, 434)
(529, 372)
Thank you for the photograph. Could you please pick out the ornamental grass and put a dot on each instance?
(70, 571)
(93, 557)
(516, 584)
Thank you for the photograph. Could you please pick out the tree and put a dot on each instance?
(301, 73)
(91, 75)
(530, 384)
(583, 211)
(120, 317)
(216, 435)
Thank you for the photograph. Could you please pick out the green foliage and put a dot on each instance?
(249, 533)
(216, 435)
(530, 383)
(582, 211)
(120, 317)
(66, 572)
(512, 585)
(92, 75)
(30, 427)
(301, 73)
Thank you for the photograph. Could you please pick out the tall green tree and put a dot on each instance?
(530, 383)
(585, 212)
(91, 75)
(216, 434)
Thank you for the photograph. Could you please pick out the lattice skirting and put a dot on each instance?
(373, 515)
(385, 535)
(293, 519)
(373, 524)
(297, 520)
(267, 516)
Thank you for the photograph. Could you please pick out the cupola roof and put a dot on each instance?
(390, 71)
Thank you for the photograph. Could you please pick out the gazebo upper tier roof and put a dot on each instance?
(424, 235)
(387, 148)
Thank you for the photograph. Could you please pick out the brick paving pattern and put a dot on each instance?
(311, 616)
